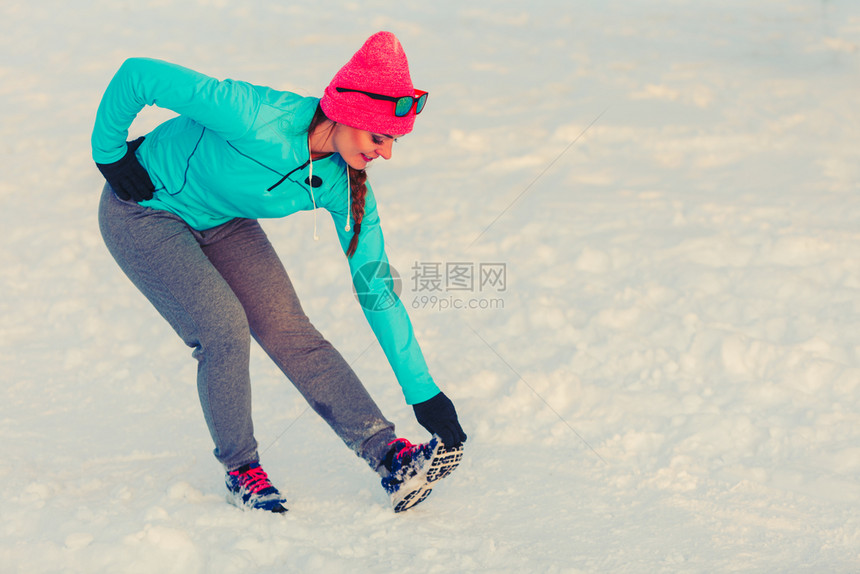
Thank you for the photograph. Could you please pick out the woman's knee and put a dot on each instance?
(224, 331)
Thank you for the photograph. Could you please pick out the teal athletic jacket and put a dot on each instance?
(240, 150)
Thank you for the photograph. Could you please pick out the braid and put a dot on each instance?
(358, 193)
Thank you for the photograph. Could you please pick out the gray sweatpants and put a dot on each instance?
(219, 287)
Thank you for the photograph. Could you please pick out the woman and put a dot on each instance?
(179, 214)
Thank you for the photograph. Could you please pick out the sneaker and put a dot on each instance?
(414, 470)
(248, 487)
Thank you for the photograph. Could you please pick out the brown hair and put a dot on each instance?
(357, 185)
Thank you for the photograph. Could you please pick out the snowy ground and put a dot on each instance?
(667, 382)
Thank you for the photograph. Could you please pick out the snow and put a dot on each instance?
(667, 382)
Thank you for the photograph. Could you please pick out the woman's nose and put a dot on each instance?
(385, 149)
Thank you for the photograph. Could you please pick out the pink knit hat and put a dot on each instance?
(379, 67)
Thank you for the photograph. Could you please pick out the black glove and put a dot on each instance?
(127, 177)
(439, 417)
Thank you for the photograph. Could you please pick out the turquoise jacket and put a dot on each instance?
(240, 150)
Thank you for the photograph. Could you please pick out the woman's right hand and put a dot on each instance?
(439, 417)
(127, 177)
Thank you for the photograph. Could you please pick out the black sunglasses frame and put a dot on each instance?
(418, 101)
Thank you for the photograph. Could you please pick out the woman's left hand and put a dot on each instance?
(439, 417)
(128, 179)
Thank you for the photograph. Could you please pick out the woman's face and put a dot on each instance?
(359, 147)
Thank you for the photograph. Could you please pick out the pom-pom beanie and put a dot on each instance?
(379, 67)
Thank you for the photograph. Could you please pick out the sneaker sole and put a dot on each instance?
(236, 500)
(416, 490)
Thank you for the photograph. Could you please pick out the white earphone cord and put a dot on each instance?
(311, 189)
(313, 198)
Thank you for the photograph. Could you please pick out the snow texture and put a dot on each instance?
(667, 379)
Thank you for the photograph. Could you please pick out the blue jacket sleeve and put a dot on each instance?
(383, 309)
(227, 107)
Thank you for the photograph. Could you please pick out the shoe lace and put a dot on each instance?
(254, 479)
(404, 448)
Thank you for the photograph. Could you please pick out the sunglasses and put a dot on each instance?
(402, 105)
